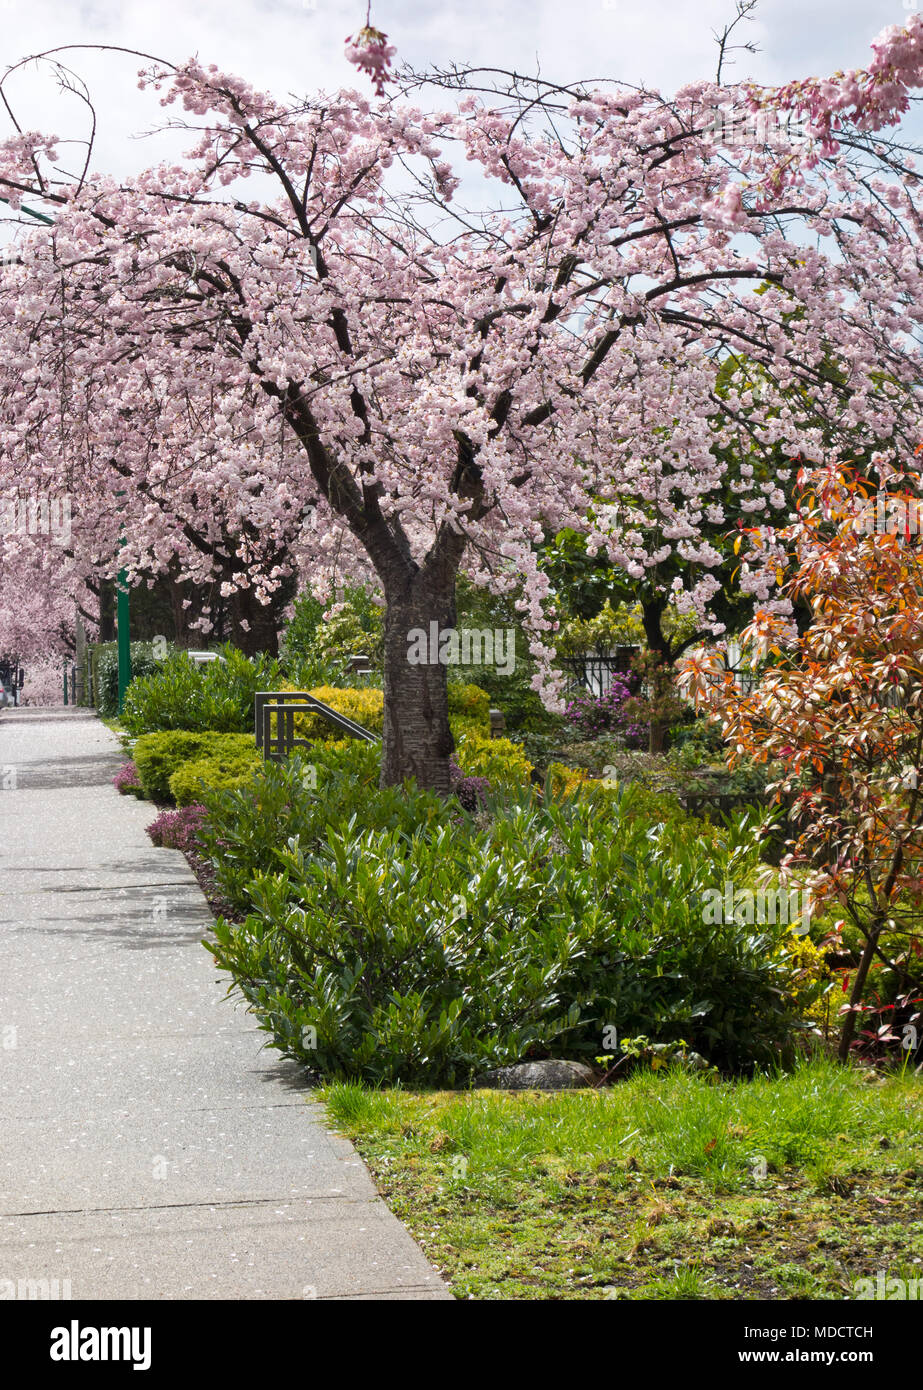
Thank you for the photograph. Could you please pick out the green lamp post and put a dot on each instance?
(124, 638)
(122, 626)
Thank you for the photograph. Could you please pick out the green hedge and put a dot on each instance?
(392, 938)
(311, 644)
(158, 756)
(183, 695)
(102, 672)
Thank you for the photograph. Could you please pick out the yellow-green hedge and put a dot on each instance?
(223, 772)
(565, 781)
(469, 702)
(498, 759)
(365, 707)
(462, 726)
(469, 710)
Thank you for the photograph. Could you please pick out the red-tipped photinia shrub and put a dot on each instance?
(840, 709)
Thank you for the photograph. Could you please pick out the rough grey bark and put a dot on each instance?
(417, 740)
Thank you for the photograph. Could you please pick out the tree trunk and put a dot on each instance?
(652, 611)
(416, 737)
(849, 1022)
(201, 597)
(80, 659)
(657, 737)
(255, 627)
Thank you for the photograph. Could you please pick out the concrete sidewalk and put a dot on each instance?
(149, 1146)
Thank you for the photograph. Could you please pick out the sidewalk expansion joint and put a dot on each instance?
(225, 1203)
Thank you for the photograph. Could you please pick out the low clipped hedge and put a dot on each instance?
(222, 772)
(158, 756)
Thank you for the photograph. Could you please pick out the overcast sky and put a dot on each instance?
(297, 45)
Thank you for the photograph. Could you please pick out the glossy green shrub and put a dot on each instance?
(418, 989)
(655, 808)
(333, 784)
(418, 944)
(217, 696)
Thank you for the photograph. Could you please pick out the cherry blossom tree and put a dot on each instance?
(465, 325)
(43, 680)
(39, 593)
(156, 490)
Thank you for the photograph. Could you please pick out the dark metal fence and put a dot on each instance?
(596, 671)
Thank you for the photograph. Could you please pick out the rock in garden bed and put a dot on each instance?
(553, 1074)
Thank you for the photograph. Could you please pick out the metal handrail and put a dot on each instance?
(285, 704)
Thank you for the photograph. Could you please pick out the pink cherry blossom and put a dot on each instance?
(294, 353)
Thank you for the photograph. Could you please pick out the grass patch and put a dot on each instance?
(667, 1186)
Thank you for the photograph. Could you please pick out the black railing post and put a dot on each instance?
(285, 705)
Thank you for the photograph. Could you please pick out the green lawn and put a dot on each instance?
(655, 1188)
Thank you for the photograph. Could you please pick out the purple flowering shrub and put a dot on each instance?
(592, 715)
(127, 781)
(178, 829)
(472, 792)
